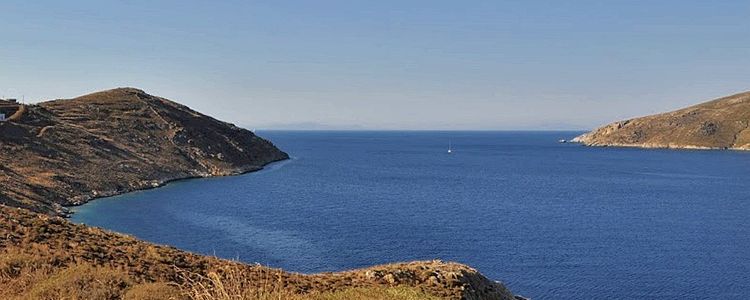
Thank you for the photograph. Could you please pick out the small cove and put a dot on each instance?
(557, 221)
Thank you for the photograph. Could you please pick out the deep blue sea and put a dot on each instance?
(550, 220)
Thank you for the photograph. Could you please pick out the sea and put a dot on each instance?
(550, 220)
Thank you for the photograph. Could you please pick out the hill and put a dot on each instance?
(67, 152)
(718, 124)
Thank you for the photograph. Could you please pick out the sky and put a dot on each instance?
(417, 65)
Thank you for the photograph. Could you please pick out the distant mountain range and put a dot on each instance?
(307, 126)
(722, 123)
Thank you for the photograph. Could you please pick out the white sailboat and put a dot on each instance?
(449, 148)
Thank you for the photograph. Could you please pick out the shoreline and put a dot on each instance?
(66, 211)
(662, 147)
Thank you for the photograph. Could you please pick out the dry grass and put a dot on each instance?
(81, 282)
(154, 291)
(377, 293)
(232, 285)
(29, 276)
(18, 114)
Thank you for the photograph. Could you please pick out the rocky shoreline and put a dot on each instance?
(655, 146)
(721, 124)
(149, 184)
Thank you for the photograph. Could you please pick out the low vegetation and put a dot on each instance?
(24, 276)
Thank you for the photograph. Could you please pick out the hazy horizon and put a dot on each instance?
(387, 65)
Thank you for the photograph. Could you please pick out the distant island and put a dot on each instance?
(723, 123)
(62, 153)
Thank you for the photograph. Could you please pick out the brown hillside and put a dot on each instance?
(66, 152)
(719, 124)
(39, 252)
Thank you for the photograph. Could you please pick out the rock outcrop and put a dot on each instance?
(719, 124)
(67, 152)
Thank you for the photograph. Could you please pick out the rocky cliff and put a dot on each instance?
(66, 152)
(718, 124)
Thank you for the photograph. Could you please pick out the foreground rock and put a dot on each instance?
(67, 152)
(719, 124)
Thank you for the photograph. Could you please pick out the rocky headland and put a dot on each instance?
(67, 152)
(723, 123)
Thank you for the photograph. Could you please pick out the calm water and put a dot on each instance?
(552, 221)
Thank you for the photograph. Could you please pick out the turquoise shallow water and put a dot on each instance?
(552, 221)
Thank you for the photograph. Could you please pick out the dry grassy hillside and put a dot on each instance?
(66, 152)
(719, 124)
(43, 257)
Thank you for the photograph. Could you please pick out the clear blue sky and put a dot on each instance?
(385, 64)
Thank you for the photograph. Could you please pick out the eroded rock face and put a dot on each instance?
(67, 152)
(437, 277)
(719, 124)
